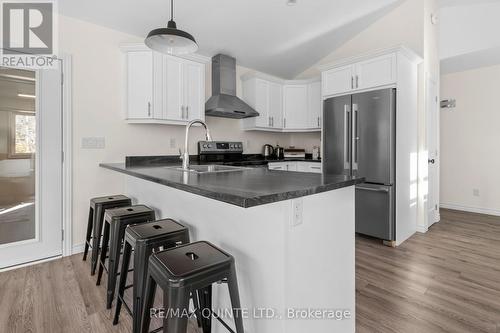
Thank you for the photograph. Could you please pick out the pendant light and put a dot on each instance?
(171, 40)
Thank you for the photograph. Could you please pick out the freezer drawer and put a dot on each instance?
(375, 213)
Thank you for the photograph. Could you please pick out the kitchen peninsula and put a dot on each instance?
(292, 237)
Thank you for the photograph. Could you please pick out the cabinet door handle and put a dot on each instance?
(272, 121)
(269, 121)
(352, 82)
(149, 109)
(357, 81)
(316, 168)
(284, 122)
(182, 112)
(318, 122)
(187, 112)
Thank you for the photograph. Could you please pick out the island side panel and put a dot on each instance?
(320, 261)
(254, 236)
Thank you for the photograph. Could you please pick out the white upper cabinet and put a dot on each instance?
(283, 106)
(139, 87)
(163, 89)
(338, 80)
(315, 104)
(362, 75)
(376, 72)
(194, 90)
(295, 107)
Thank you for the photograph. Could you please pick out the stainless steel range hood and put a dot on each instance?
(224, 102)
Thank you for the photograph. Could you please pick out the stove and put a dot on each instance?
(226, 153)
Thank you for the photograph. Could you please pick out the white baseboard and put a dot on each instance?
(78, 248)
(422, 229)
(487, 211)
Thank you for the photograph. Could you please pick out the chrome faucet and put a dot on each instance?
(185, 155)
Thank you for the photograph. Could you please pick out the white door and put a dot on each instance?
(173, 107)
(295, 105)
(315, 103)
(194, 90)
(140, 85)
(275, 106)
(337, 80)
(31, 168)
(375, 72)
(433, 148)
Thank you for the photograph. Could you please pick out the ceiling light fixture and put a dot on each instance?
(26, 95)
(291, 2)
(171, 40)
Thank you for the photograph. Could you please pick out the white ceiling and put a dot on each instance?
(267, 35)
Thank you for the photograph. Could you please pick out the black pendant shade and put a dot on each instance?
(171, 40)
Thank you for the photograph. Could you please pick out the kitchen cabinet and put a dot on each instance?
(315, 108)
(139, 88)
(267, 99)
(295, 107)
(163, 89)
(299, 166)
(365, 74)
(283, 106)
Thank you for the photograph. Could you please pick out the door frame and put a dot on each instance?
(432, 106)
(67, 157)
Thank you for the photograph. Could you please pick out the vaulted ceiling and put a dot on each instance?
(267, 35)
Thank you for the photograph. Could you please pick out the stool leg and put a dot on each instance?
(235, 299)
(96, 238)
(123, 281)
(196, 304)
(90, 224)
(149, 297)
(104, 250)
(205, 297)
(176, 299)
(141, 259)
(115, 243)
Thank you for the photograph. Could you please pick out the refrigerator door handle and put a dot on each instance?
(355, 137)
(347, 151)
(373, 189)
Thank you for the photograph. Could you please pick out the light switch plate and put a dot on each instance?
(93, 143)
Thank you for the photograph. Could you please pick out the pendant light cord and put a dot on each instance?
(171, 10)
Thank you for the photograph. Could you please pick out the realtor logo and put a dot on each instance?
(27, 27)
(29, 34)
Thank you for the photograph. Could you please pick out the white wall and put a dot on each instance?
(97, 112)
(470, 137)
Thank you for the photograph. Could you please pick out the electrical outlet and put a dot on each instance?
(93, 143)
(475, 192)
(297, 209)
(173, 143)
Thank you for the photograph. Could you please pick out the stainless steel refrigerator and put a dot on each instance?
(359, 138)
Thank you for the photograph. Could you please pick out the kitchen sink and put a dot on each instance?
(212, 168)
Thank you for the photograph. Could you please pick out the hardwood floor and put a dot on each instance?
(447, 280)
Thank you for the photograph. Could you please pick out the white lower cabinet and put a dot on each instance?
(299, 166)
(163, 89)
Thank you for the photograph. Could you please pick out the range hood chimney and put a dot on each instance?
(224, 102)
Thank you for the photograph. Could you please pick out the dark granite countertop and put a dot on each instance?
(246, 188)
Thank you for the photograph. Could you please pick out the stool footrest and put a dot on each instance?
(126, 305)
(159, 329)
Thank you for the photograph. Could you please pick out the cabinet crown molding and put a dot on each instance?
(267, 77)
(407, 52)
(131, 47)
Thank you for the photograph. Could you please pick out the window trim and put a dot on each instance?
(11, 154)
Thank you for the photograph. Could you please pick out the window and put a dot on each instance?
(22, 135)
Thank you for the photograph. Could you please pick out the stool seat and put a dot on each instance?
(187, 260)
(128, 211)
(117, 199)
(155, 229)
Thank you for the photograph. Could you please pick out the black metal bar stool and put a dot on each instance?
(94, 225)
(115, 222)
(183, 270)
(145, 238)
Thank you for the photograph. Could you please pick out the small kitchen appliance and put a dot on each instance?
(268, 151)
(293, 152)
